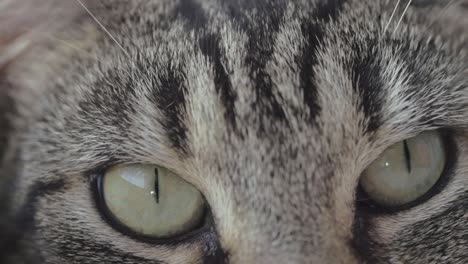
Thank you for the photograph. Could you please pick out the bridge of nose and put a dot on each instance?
(294, 253)
(302, 229)
(286, 198)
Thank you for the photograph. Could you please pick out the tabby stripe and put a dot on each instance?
(363, 242)
(329, 10)
(170, 99)
(213, 253)
(110, 96)
(25, 218)
(260, 48)
(210, 47)
(313, 31)
(80, 247)
(171, 89)
(419, 79)
(307, 61)
(195, 18)
(366, 73)
(15, 233)
(192, 13)
(6, 107)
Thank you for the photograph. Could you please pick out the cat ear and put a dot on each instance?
(24, 22)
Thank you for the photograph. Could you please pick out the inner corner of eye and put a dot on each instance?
(151, 200)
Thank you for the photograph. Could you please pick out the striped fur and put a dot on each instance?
(271, 108)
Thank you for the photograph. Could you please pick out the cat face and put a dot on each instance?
(271, 110)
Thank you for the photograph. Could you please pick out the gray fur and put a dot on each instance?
(271, 108)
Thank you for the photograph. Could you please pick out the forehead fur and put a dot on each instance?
(271, 108)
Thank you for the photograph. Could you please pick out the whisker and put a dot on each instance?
(391, 18)
(402, 15)
(103, 27)
(70, 45)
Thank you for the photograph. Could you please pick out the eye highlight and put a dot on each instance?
(406, 171)
(150, 201)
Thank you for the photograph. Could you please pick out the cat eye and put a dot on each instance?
(406, 171)
(150, 201)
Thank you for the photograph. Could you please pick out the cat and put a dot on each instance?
(275, 112)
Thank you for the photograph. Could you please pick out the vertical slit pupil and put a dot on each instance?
(156, 184)
(407, 154)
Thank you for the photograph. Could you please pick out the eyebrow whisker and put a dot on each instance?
(103, 27)
(391, 18)
(402, 15)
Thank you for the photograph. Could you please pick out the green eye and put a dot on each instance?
(406, 171)
(151, 201)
